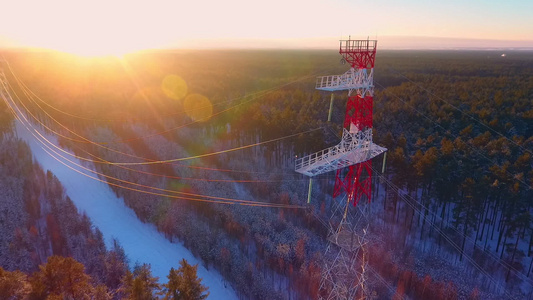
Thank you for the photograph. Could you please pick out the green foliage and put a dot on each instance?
(427, 108)
(6, 118)
(115, 266)
(101, 292)
(185, 284)
(61, 277)
(14, 285)
(139, 284)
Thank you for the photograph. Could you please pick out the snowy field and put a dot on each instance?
(141, 241)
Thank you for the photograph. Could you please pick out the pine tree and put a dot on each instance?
(61, 277)
(171, 288)
(139, 284)
(185, 284)
(101, 293)
(13, 285)
(115, 266)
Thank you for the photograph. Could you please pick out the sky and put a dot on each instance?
(126, 25)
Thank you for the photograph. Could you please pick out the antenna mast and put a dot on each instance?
(351, 158)
(344, 274)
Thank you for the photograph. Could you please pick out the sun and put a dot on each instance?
(99, 37)
(96, 47)
(91, 50)
(91, 28)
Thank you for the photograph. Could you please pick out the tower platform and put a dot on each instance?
(355, 147)
(351, 80)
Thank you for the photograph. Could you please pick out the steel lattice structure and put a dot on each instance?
(351, 158)
(344, 273)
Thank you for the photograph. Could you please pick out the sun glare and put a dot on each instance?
(93, 41)
(198, 107)
(174, 87)
(92, 28)
(91, 52)
(95, 50)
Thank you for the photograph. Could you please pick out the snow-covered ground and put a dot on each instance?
(142, 242)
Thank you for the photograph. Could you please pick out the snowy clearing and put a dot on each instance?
(141, 242)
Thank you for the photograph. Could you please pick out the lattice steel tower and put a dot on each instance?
(344, 276)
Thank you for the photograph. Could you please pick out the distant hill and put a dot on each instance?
(385, 42)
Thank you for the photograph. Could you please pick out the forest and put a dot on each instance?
(51, 251)
(62, 277)
(452, 210)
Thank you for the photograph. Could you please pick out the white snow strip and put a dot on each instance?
(141, 241)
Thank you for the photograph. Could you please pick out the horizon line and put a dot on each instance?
(386, 42)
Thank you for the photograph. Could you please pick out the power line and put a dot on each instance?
(214, 153)
(253, 96)
(461, 234)
(25, 90)
(151, 161)
(220, 200)
(209, 180)
(504, 264)
(384, 281)
(101, 160)
(442, 233)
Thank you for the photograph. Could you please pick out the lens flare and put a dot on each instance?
(174, 87)
(198, 107)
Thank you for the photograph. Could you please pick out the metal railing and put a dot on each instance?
(349, 143)
(351, 46)
(352, 79)
(331, 81)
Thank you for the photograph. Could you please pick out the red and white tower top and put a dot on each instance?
(356, 148)
(360, 54)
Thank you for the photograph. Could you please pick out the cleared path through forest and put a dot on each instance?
(141, 241)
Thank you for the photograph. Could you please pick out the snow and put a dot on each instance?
(141, 242)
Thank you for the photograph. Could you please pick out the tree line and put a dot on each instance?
(441, 115)
(65, 278)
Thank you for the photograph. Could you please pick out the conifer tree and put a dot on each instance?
(140, 284)
(13, 285)
(61, 277)
(185, 284)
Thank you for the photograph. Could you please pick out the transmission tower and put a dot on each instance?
(344, 274)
